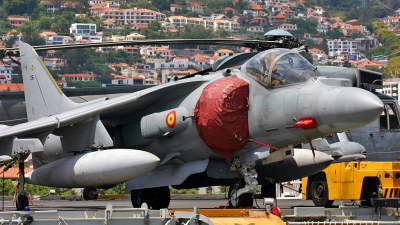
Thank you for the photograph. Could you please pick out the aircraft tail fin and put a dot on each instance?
(43, 97)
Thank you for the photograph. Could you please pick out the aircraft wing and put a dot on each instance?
(121, 106)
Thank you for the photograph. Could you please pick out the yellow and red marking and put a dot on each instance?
(171, 119)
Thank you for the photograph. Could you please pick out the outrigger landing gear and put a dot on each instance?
(22, 200)
(90, 194)
(243, 196)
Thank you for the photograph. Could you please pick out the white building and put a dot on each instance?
(138, 80)
(59, 39)
(255, 29)
(6, 71)
(287, 26)
(208, 23)
(49, 6)
(319, 10)
(96, 38)
(176, 64)
(130, 16)
(391, 88)
(196, 7)
(337, 45)
(87, 29)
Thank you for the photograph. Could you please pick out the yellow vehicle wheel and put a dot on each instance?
(319, 191)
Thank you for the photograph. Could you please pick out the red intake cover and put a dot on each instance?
(221, 115)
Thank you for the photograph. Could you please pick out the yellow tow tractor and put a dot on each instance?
(357, 180)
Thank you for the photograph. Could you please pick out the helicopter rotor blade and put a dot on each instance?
(239, 43)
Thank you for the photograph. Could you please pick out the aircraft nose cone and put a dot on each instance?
(348, 108)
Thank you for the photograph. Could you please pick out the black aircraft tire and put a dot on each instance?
(159, 198)
(319, 191)
(138, 197)
(22, 202)
(243, 201)
(89, 194)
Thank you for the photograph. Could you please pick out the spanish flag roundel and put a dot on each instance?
(171, 119)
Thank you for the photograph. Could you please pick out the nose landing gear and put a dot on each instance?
(243, 195)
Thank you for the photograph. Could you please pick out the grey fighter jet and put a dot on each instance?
(199, 131)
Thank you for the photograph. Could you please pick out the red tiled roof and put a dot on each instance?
(195, 4)
(49, 33)
(14, 18)
(12, 87)
(228, 9)
(79, 75)
(175, 5)
(224, 50)
(13, 172)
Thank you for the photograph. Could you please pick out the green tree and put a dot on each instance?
(222, 33)
(183, 191)
(3, 14)
(335, 33)
(373, 68)
(28, 30)
(155, 26)
(30, 33)
(161, 4)
(392, 67)
(304, 26)
(38, 12)
(18, 7)
(240, 6)
(8, 187)
(125, 31)
(193, 32)
(224, 189)
(44, 23)
(10, 41)
(60, 25)
(119, 189)
(65, 191)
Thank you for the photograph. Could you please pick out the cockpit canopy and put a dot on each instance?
(279, 66)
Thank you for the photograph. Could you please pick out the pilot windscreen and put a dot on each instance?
(291, 69)
(259, 66)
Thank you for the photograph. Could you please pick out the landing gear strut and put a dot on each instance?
(22, 199)
(243, 196)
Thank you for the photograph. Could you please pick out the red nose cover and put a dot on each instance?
(221, 115)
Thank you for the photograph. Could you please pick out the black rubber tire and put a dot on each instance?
(138, 197)
(372, 192)
(89, 194)
(22, 202)
(319, 191)
(159, 198)
(245, 200)
(268, 190)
